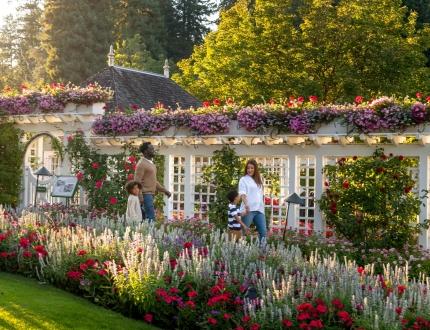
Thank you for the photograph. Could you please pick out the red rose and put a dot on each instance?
(148, 318)
(113, 200)
(95, 165)
(206, 104)
(345, 184)
(313, 98)
(287, 323)
(102, 272)
(216, 102)
(419, 95)
(24, 242)
(358, 99)
(212, 321)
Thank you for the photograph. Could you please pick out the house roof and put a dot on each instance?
(144, 89)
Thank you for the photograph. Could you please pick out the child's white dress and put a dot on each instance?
(134, 213)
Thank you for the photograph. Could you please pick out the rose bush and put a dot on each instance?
(371, 201)
(206, 281)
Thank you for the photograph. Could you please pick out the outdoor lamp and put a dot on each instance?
(293, 199)
(43, 171)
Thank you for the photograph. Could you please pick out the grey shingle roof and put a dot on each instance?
(144, 89)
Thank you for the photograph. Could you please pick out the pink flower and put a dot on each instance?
(79, 175)
(148, 318)
(99, 184)
(419, 95)
(192, 294)
(358, 99)
(83, 267)
(398, 310)
(190, 304)
(130, 177)
(212, 321)
(95, 165)
(246, 319)
(287, 323)
(227, 316)
(73, 275)
(113, 200)
(70, 138)
(132, 159)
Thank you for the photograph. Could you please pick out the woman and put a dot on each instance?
(251, 192)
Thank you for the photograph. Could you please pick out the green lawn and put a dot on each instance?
(26, 304)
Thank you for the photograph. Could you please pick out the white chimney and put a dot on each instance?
(111, 56)
(166, 68)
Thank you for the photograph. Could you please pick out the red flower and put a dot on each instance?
(113, 200)
(82, 252)
(27, 254)
(239, 328)
(401, 157)
(90, 262)
(358, 99)
(303, 316)
(212, 321)
(190, 304)
(40, 249)
(192, 294)
(343, 315)
(216, 102)
(316, 324)
(399, 310)
(70, 138)
(132, 159)
(99, 184)
(322, 309)
(188, 245)
(227, 316)
(79, 175)
(206, 104)
(300, 99)
(174, 290)
(408, 189)
(173, 263)
(73, 275)
(148, 318)
(419, 95)
(305, 307)
(313, 98)
(401, 289)
(287, 323)
(337, 303)
(255, 326)
(134, 106)
(139, 250)
(360, 270)
(326, 184)
(102, 272)
(4, 254)
(428, 98)
(130, 177)
(95, 165)
(345, 184)
(246, 319)
(24, 242)
(83, 267)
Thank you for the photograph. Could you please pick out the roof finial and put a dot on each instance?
(166, 68)
(111, 56)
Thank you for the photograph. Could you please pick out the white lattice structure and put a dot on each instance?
(297, 161)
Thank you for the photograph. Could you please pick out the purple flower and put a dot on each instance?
(252, 118)
(209, 124)
(419, 113)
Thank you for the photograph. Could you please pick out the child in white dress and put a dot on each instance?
(134, 212)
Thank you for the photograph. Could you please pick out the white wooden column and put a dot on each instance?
(188, 193)
(168, 176)
(292, 219)
(423, 185)
(318, 222)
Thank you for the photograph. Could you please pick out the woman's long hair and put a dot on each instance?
(256, 176)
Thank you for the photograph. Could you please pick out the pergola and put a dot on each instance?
(298, 160)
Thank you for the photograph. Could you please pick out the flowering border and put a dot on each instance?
(296, 116)
(52, 98)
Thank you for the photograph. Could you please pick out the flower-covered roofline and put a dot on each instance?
(52, 98)
(295, 116)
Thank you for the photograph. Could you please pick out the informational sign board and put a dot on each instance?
(64, 186)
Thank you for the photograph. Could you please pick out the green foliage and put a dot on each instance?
(336, 50)
(370, 201)
(11, 159)
(80, 30)
(224, 174)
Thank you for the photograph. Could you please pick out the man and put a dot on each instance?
(146, 174)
